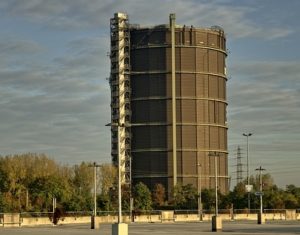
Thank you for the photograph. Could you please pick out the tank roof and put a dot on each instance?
(166, 26)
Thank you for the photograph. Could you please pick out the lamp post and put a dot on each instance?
(260, 193)
(199, 192)
(216, 183)
(216, 221)
(247, 135)
(93, 221)
(119, 228)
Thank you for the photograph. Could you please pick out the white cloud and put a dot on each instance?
(79, 14)
(58, 108)
(264, 99)
(58, 101)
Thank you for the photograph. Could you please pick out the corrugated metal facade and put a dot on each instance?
(200, 106)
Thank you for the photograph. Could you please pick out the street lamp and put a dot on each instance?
(119, 228)
(199, 192)
(216, 221)
(260, 194)
(93, 224)
(248, 188)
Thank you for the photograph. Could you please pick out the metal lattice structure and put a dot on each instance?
(120, 93)
(239, 166)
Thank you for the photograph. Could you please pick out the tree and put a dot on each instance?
(290, 201)
(185, 196)
(142, 197)
(107, 177)
(208, 199)
(178, 196)
(274, 198)
(159, 195)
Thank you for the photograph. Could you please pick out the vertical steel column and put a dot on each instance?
(95, 189)
(216, 182)
(199, 192)
(119, 178)
(248, 177)
(260, 169)
(173, 75)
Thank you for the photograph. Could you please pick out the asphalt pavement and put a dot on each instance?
(235, 228)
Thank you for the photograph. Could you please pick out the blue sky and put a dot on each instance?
(54, 97)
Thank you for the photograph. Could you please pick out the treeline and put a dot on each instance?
(29, 182)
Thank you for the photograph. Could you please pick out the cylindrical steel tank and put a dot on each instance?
(200, 106)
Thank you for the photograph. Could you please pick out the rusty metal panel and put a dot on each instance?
(213, 86)
(139, 111)
(148, 85)
(214, 137)
(157, 85)
(188, 110)
(221, 62)
(168, 59)
(145, 111)
(206, 85)
(189, 162)
(201, 137)
(188, 85)
(178, 111)
(143, 133)
(211, 108)
(178, 59)
(179, 163)
(157, 37)
(199, 86)
(221, 84)
(201, 60)
(206, 136)
(201, 111)
(149, 163)
(189, 137)
(139, 86)
(212, 40)
(193, 37)
(170, 165)
(222, 107)
(156, 59)
(179, 137)
(201, 38)
(157, 111)
(169, 111)
(149, 137)
(189, 180)
(178, 78)
(187, 39)
(197, 113)
(168, 86)
(213, 61)
(188, 59)
(139, 59)
(169, 137)
(221, 135)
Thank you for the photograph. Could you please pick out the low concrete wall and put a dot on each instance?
(290, 215)
(168, 216)
(11, 220)
(186, 217)
(75, 220)
(147, 218)
(274, 216)
(33, 221)
(245, 216)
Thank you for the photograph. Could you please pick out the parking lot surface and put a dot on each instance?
(235, 228)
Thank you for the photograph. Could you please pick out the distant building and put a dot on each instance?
(168, 96)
